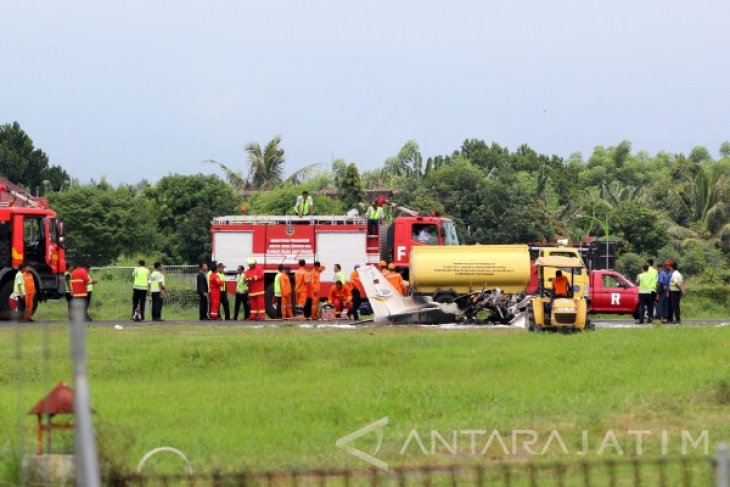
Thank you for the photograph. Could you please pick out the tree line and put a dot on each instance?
(663, 205)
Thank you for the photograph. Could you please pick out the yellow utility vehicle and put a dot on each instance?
(558, 313)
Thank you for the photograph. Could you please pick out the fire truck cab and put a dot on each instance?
(338, 239)
(31, 234)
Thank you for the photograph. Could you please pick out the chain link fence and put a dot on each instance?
(114, 287)
(624, 472)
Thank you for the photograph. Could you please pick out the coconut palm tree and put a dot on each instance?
(708, 207)
(265, 167)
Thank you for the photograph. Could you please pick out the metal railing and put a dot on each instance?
(636, 472)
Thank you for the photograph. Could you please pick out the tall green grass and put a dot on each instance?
(234, 398)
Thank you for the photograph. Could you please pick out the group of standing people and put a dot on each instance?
(296, 296)
(212, 293)
(660, 292)
(148, 284)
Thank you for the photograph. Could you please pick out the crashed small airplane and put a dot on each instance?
(483, 307)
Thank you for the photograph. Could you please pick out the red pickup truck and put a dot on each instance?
(612, 293)
(608, 292)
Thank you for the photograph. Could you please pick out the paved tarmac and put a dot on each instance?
(340, 324)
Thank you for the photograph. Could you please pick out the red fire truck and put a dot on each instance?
(274, 240)
(31, 234)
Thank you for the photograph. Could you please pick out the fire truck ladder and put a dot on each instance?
(289, 220)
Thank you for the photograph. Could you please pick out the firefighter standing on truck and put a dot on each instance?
(255, 280)
(304, 204)
(375, 216)
(140, 275)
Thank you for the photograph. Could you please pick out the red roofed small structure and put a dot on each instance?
(60, 400)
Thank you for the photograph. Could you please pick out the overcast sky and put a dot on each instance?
(140, 89)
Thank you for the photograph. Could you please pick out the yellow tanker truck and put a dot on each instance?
(489, 282)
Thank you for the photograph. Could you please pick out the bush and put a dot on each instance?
(718, 294)
(629, 264)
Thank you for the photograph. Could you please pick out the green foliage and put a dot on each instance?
(629, 264)
(102, 222)
(640, 227)
(705, 261)
(25, 165)
(184, 207)
(280, 201)
(408, 162)
(348, 184)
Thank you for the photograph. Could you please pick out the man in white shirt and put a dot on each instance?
(676, 291)
(157, 289)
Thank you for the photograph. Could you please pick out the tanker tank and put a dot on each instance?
(469, 268)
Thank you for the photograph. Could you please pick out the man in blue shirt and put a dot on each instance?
(662, 312)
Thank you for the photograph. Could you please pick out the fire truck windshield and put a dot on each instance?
(448, 229)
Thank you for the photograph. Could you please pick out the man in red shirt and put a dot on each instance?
(255, 280)
(79, 286)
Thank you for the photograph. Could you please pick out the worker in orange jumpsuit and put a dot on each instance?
(302, 288)
(340, 298)
(285, 287)
(396, 280)
(29, 292)
(383, 266)
(214, 291)
(316, 287)
(357, 292)
(255, 280)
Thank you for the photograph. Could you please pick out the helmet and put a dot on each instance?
(250, 261)
(383, 264)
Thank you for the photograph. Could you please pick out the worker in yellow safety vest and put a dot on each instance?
(304, 204)
(647, 285)
(140, 277)
(374, 215)
(18, 294)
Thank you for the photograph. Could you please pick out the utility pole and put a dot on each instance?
(86, 462)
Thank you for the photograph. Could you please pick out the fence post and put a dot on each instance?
(722, 467)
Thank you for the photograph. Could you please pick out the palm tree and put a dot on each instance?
(265, 167)
(708, 207)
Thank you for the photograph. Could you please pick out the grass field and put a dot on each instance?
(234, 398)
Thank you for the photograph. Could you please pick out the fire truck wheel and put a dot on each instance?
(269, 300)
